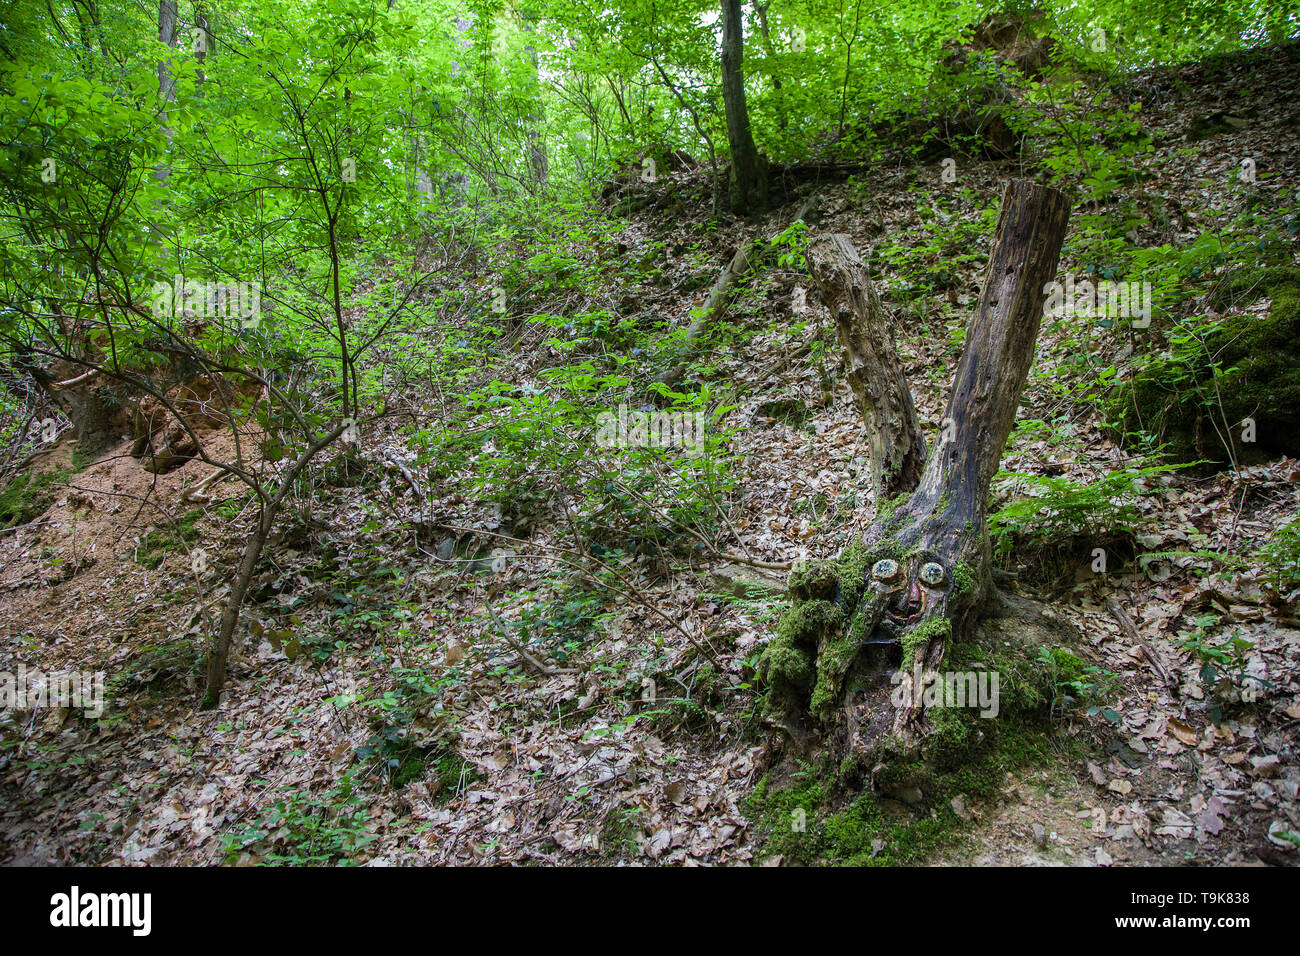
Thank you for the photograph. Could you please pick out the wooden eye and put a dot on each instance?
(885, 570)
(932, 574)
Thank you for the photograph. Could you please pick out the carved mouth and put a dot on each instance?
(910, 617)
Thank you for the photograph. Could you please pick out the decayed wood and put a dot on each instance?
(715, 306)
(999, 343)
(720, 295)
(874, 371)
(927, 562)
(1121, 617)
(945, 520)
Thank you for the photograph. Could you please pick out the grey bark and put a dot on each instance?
(875, 374)
(945, 520)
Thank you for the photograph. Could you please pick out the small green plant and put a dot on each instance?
(789, 245)
(623, 825)
(302, 830)
(576, 613)
(404, 743)
(1074, 684)
(1224, 665)
(1280, 558)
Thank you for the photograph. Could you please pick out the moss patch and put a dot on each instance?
(155, 545)
(818, 818)
(815, 643)
(833, 662)
(29, 495)
(934, 628)
(1247, 367)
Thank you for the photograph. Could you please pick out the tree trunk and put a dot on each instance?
(874, 372)
(748, 168)
(761, 10)
(166, 81)
(87, 400)
(921, 577)
(219, 650)
(945, 521)
(537, 160)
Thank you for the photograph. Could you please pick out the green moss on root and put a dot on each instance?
(788, 664)
(833, 662)
(844, 828)
(918, 638)
(814, 644)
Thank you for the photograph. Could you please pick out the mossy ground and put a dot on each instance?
(29, 495)
(155, 545)
(825, 817)
(1246, 367)
(893, 804)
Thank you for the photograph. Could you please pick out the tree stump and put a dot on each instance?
(921, 578)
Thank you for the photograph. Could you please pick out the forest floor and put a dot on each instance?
(631, 750)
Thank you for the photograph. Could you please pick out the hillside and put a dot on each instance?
(479, 634)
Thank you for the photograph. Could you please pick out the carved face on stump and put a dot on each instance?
(904, 593)
(907, 595)
(920, 589)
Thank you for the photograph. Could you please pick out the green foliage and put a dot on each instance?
(1059, 509)
(1220, 372)
(1281, 558)
(931, 261)
(1074, 684)
(1224, 665)
(789, 246)
(1090, 143)
(304, 830)
(566, 621)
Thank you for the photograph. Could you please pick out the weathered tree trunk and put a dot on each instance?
(874, 372)
(85, 398)
(944, 523)
(921, 577)
(748, 168)
(715, 306)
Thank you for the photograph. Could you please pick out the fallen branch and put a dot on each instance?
(715, 306)
(544, 669)
(197, 492)
(1126, 624)
(73, 382)
(19, 527)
